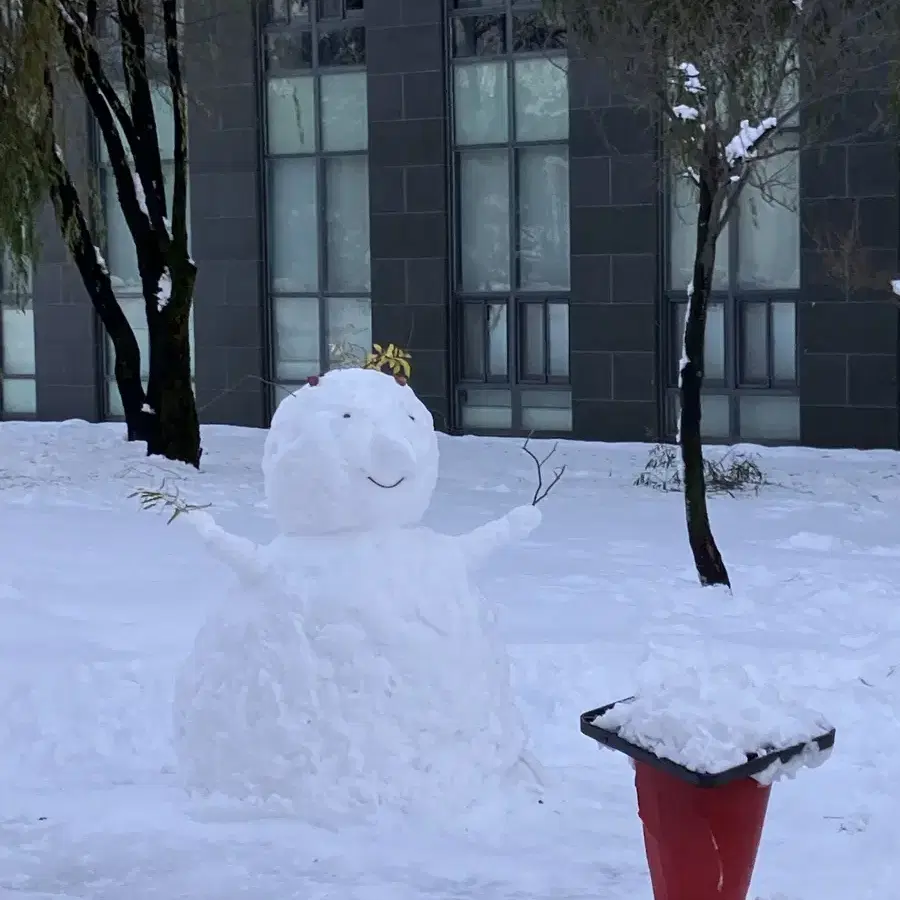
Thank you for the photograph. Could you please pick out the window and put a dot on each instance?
(750, 384)
(18, 392)
(121, 256)
(511, 175)
(317, 187)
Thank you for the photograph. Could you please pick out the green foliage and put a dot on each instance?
(733, 473)
(29, 49)
(161, 498)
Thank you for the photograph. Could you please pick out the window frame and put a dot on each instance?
(733, 299)
(515, 298)
(309, 23)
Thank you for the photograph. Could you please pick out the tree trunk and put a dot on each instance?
(710, 566)
(170, 393)
(94, 274)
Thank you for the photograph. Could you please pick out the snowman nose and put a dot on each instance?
(393, 455)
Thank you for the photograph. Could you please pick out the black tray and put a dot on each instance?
(755, 763)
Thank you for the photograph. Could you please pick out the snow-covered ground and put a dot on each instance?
(99, 602)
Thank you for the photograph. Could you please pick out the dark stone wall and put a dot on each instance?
(408, 194)
(615, 233)
(848, 320)
(226, 213)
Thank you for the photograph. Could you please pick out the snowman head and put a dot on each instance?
(354, 450)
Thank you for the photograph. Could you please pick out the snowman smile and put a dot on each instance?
(387, 487)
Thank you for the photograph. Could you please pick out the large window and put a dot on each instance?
(317, 187)
(120, 253)
(750, 387)
(18, 397)
(511, 175)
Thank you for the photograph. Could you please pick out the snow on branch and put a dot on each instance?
(742, 145)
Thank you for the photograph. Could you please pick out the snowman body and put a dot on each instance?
(357, 665)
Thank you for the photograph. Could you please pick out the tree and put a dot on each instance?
(726, 84)
(50, 49)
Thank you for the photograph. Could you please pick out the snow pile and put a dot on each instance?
(709, 716)
(356, 666)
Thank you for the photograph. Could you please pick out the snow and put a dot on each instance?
(100, 260)
(164, 293)
(741, 146)
(691, 74)
(355, 666)
(709, 714)
(100, 603)
(895, 286)
(139, 193)
(687, 113)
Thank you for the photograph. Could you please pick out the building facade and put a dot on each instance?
(447, 176)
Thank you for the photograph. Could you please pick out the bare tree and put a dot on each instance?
(728, 83)
(114, 55)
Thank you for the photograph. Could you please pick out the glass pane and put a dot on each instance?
(329, 9)
(133, 307)
(769, 222)
(683, 238)
(484, 220)
(714, 416)
(473, 324)
(349, 331)
(538, 31)
(487, 409)
(558, 323)
(347, 223)
(533, 362)
(547, 410)
(291, 115)
(754, 342)
(296, 338)
(481, 115)
(345, 47)
(784, 342)
(17, 332)
(345, 117)
(165, 123)
(288, 51)
(293, 232)
(542, 99)
(544, 218)
(478, 35)
(498, 341)
(770, 418)
(121, 256)
(114, 407)
(714, 346)
(19, 397)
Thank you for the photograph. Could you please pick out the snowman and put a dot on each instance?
(356, 666)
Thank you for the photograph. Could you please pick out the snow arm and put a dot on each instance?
(239, 554)
(516, 525)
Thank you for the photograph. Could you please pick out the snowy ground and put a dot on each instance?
(99, 601)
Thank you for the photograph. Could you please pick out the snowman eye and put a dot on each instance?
(346, 415)
(413, 418)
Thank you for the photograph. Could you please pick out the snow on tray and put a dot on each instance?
(708, 717)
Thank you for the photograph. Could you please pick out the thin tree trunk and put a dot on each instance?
(169, 389)
(707, 558)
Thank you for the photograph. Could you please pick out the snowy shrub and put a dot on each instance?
(733, 473)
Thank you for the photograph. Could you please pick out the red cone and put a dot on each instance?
(701, 842)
